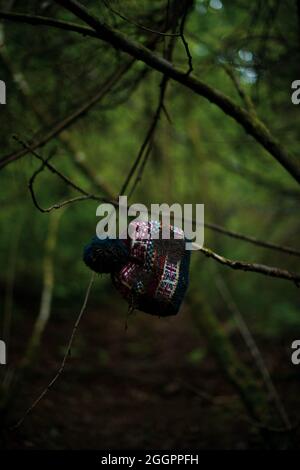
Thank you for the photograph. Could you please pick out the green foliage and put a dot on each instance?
(202, 156)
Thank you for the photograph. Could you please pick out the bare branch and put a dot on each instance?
(298, 16)
(65, 179)
(254, 127)
(239, 265)
(45, 21)
(72, 118)
(139, 175)
(184, 41)
(66, 136)
(134, 23)
(146, 147)
(211, 226)
(253, 267)
(243, 95)
(255, 241)
(148, 138)
(256, 178)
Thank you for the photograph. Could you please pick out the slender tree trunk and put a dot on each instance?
(47, 292)
(10, 387)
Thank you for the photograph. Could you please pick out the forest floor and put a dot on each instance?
(152, 386)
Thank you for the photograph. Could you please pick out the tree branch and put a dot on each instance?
(72, 118)
(252, 125)
(217, 228)
(184, 41)
(53, 170)
(254, 241)
(45, 21)
(134, 23)
(253, 267)
(239, 265)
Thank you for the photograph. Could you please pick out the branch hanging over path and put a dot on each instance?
(251, 124)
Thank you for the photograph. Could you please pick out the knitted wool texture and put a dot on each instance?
(150, 272)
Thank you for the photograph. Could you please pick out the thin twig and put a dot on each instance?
(65, 137)
(146, 145)
(256, 178)
(141, 169)
(243, 95)
(211, 226)
(134, 23)
(184, 41)
(298, 18)
(71, 118)
(35, 20)
(252, 126)
(252, 267)
(234, 264)
(67, 354)
(56, 172)
(253, 240)
(148, 137)
(256, 128)
(58, 205)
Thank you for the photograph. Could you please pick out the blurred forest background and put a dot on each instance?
(218, 375)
